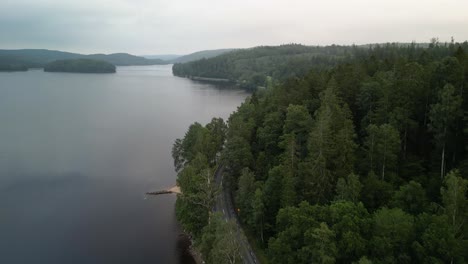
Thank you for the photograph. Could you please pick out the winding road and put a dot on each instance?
(225, 207)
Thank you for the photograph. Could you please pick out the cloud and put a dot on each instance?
(161, 26)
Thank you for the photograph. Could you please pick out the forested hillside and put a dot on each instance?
(36, 58)
(261, 66)
(80, 66)
(363, 162)
(203, 54)
(125, 59)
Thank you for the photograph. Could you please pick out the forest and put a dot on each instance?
(268, 65)
(260, 66)
(80, 66)
(362, 159)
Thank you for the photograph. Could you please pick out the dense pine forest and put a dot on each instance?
(360, 159)
(265, 66)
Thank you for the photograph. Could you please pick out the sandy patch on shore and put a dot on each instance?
(175, 189)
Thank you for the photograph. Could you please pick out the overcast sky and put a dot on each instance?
(184, 26)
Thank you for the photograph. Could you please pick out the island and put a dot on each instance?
(80, 66)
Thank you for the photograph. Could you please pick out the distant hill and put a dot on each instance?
(80, 66)
(200, 55)
(166, 57)
(31, 58)
(173, 58)
(125, 59)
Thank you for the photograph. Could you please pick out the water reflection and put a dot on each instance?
(77, 152)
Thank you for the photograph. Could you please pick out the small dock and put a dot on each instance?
(175, 189)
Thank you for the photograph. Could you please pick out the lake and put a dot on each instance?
(77, 154)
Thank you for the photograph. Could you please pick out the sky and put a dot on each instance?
(146, 27)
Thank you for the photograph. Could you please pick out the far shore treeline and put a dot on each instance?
(24, 59)
(80, 66)
(347, 155)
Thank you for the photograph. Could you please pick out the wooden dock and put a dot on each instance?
(175, 189)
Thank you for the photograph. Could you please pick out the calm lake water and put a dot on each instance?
(77, 154)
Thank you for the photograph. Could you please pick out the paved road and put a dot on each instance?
(224, 205)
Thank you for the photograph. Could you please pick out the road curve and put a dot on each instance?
(225, 207)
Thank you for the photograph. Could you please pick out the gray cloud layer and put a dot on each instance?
(177, 26)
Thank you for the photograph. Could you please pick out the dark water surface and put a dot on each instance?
(77, 154)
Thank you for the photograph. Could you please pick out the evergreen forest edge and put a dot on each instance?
(361, 158)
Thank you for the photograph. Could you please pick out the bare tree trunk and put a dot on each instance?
(261, 230)
(442, 162)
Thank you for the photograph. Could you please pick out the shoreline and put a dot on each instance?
(208, 79)
(188, 253)
(194, 253)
